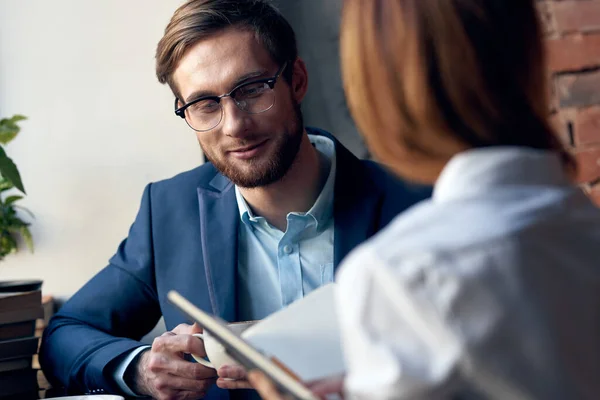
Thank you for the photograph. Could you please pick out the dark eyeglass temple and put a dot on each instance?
(177, 111)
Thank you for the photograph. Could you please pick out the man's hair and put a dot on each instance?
(200, 19)
(424, 77)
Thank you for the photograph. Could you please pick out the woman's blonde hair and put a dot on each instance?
(428, 78)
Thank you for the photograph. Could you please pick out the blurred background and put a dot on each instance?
(101, 127)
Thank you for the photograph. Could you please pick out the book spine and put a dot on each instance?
(26, 314)
(18, 348)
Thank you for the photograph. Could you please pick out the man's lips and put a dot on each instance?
(248, 151)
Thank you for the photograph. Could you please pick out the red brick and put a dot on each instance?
(561, 128)
(587, 126)
(578, 90)
(572, 16)
(588, 162)
(574, 52)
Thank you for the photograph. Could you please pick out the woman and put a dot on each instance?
(489, 289)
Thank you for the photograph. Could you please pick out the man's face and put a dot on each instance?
(250, 149)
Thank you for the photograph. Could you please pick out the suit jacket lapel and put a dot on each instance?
(219, 219)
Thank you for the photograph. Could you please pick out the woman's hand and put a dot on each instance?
(264, 386)
(321, 388)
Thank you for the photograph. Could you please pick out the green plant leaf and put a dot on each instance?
(27, 237)
(5, 185)
(8, 131)
(7, 244)
(18, 117)
(10, 215)
(9, 170)
(15, 224)
(11, 225)
(9, 128)
(11, 199)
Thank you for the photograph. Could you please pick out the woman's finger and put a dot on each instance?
(264, 386)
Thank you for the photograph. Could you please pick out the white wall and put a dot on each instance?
(100, 127)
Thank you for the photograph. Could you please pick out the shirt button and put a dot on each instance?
(287, 249)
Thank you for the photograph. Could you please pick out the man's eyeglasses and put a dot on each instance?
(255, 97)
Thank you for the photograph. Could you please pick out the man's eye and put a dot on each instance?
(205, 106)
(252, 90)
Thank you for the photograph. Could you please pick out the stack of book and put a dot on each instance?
(40, 325)
(18, 344)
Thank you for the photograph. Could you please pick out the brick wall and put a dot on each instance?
(573, 31)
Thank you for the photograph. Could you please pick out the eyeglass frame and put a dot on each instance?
(271, 81)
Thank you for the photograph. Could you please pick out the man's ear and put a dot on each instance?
(299, 80)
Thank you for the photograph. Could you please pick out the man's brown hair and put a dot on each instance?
(427, 78)
(199, 19)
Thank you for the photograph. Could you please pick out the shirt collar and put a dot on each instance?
(246, 214)
(478, 171)
(322, 209)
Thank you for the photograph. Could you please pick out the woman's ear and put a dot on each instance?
(299, 80)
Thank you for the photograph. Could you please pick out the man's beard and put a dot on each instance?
(265, 172)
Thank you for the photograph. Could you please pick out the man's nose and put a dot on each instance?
(235, 121)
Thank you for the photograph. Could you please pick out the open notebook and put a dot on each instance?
(242, 351)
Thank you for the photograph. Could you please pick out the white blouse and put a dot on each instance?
(491, 289)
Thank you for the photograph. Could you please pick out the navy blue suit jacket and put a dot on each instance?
(185, 238)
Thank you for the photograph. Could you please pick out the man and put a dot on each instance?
(265, 222)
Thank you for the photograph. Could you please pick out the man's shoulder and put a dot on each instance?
(365, 174)
(377, 173)
(389, 184)
(357, 177)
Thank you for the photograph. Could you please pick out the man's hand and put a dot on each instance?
(232, 377)
(163, 373)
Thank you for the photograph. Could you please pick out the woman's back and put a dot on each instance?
(494, 284)
(494, 281)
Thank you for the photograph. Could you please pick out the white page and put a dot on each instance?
(305, 336)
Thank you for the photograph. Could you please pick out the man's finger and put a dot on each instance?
(179, 344)
(232, 372)
(191, 370)
(186, 329)
(230, 384)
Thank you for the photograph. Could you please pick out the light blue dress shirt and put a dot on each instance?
(276, 268)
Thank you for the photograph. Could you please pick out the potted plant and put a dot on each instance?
(11, 225)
